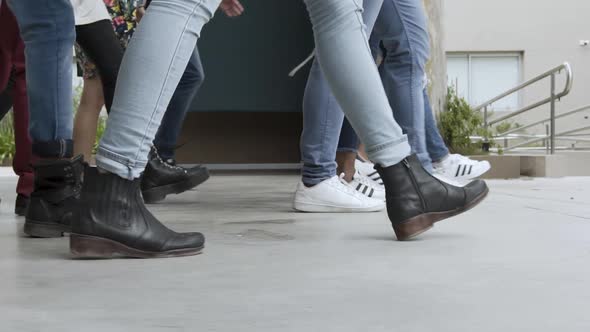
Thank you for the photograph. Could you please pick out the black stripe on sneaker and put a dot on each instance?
(359, 187)
(458, 170)
(464, 170)
(373, 173)
(365, 190)
(470, 168)
(371, 193)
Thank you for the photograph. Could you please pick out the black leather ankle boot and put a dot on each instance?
(54, 197)
(113, 221)
(21, 205)
(162, 178)
(416, 199)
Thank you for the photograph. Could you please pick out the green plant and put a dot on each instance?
(7, 146)
(459, 122)
(506, 126)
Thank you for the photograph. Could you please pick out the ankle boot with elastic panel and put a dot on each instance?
(54, 197)
(113, 221)
(162, 178)
(416, 199)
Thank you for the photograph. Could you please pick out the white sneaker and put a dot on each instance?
(366, 186)
(367, 169)
(459, 168)
(334, 195)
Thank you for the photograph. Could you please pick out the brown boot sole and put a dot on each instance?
(419, 224)
(84, 246)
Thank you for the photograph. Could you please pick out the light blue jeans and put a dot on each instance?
(164, 42)
(323, 117)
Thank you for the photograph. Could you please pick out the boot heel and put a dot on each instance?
(92, 247)
(413, 227)
(43, 230)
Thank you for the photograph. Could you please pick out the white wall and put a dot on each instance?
(546, 31)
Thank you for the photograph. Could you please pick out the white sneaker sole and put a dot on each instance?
(318, 208)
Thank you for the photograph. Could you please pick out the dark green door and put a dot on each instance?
(247, 59)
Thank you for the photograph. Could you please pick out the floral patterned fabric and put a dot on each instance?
(124, 22)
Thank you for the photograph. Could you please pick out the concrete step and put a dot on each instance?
(510, 166)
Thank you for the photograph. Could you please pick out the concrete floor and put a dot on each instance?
(519, 262)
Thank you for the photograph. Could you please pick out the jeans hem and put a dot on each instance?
(117, 164)
(390, 153)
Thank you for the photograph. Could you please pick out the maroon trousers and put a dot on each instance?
(12, 56)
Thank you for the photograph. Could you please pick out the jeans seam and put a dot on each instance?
(151, 121)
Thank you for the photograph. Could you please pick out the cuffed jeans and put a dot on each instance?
(323, 117)
(47, 29)
(164, 42)
(185, 92)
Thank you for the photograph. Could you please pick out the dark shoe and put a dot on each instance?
(416, 199)
(113, 221)
(21, 205)
(55, 194)
(162, 178)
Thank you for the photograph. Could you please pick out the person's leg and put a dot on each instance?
(402, 28)
(162, 176)
(435, 145)
(347, 150)
(23, 158)
(47, 29)
(101, 45)
(171, 126)
(151, 69)
(322, 122)
(415, 199)
(322, 117)
(86, 119)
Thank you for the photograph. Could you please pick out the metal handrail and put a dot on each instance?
(535, 140)
(551, 99)
(562, 115)
(556, 70)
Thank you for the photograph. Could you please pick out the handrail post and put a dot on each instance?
(486, 144)
(552, 116)
(545, 140)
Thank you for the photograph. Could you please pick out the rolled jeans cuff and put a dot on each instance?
(117, 164)
(390, 153)
(60, 148)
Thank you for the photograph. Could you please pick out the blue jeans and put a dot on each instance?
(402, 29)
(435, 145)
(47, 29)
(323, 117)
(164, 43)
(169, 131)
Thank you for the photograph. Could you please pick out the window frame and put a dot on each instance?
(519, 55)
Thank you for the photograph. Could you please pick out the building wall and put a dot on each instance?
(547, 32)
